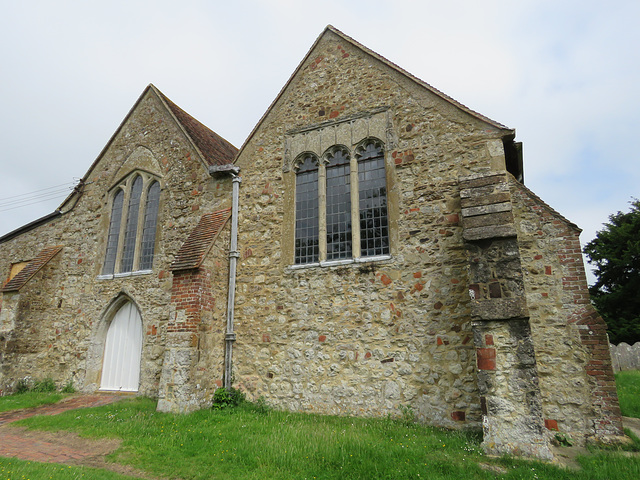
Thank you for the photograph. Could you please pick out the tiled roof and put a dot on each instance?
(193, 251)
(24, 275)
(215, 149)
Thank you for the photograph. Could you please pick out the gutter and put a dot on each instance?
(230, 336)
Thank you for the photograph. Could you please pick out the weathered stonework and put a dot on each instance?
(477, 316)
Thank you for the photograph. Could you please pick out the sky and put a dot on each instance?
(563, 73)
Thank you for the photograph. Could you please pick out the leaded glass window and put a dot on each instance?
(132, 226)
(149, 227)
(114, 234)
(372, 186)
(339, 201)
(338, 205)
(307, 228)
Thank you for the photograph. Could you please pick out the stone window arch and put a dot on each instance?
(131, 236)
(307, 228)
(372, 198)
(338, 203)
(341, 209)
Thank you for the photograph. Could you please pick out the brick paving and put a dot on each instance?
(60, 447)
(79, 401)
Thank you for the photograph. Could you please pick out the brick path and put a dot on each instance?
(60, 447)
(80, 401)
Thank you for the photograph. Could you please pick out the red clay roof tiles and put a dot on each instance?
(200, 240)
(215, 149)
(24, 275)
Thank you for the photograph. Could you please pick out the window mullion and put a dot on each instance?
(322, 211)
(355, 208)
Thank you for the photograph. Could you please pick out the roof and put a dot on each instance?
(33, 267)
(346, 38)
(200, 240)
(215, 149)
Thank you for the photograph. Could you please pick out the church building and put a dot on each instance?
(371, 247)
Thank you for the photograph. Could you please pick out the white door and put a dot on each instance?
(122, 351)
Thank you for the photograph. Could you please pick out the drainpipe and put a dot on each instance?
(230, 336)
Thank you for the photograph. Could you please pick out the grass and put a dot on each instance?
(251, 443)
(628, 384)
(11, 469)
(28, 400)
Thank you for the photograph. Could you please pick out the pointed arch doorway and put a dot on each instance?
(122, 351)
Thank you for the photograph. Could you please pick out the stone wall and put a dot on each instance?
(363, 338)
(576, 378)
(63, 312)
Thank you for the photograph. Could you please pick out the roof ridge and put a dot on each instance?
(215, 149)
(428, 86)
(380, 58)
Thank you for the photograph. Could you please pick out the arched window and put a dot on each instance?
(114, 234)
(338, 204)
(372, 195)
(350, 222)
(307, 230)
(132, 226)
(132, 234)
(149, 229)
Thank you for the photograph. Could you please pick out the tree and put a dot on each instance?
(615, 253)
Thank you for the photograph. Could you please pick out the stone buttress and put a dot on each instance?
(510, 396)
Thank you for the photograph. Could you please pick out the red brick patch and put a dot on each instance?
(486, 358)
(551, 424)
(458, 416)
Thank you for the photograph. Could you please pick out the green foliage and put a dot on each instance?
(615, 253)
(44, 386)
(223, 398)
(242, 443)
(11, 468)
(628, 384)
(69, 388)
(563, 440)
(407, 415)
(23, 386)
(28, 400)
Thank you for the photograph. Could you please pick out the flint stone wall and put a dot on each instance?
(373, 337)
(56, 324)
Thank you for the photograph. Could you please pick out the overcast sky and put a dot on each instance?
(564, 74)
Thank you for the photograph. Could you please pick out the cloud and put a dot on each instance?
(564, 74)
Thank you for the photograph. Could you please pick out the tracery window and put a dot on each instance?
(132, 232)
(372, 185)
(338, 204)
(307, 228)
(341, 205)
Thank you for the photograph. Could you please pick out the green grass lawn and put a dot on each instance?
(249, 442)
(252, 443)
(28, 400)
(11, 469)
(628, 384)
